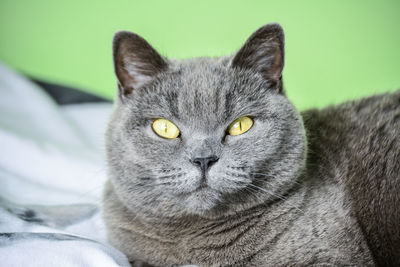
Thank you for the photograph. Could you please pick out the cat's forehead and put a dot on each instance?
(200, 76)
(209, 90)
(205, 90)
(203, 87)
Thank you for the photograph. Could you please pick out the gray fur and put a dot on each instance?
(273, 198)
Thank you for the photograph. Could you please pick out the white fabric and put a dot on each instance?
(52, 171)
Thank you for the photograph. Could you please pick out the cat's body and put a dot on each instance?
(357, 144)
(272, 198)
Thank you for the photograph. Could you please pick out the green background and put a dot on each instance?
(335, 50)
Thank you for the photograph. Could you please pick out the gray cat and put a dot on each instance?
(211, 165)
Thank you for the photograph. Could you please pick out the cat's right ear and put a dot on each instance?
(263, 53)
(136, 62)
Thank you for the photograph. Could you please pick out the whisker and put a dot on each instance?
(170, 176)
(270, 176)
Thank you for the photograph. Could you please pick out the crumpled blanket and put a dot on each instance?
(52, 171)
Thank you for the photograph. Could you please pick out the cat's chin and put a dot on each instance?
(200, 201)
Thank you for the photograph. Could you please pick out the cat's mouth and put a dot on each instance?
(202, 188)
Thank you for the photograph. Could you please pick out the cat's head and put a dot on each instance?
(203, 135)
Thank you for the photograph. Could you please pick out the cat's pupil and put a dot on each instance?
(164, 127)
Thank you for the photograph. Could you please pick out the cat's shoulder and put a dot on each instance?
(367, 114)
(358, 144)
(368, 125)
(363, 131)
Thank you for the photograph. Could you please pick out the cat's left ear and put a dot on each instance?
(263, 52)
(136, 62)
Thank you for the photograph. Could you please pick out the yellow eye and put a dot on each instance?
(165, 128)
(240, 125)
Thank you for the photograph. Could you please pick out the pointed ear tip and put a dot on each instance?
(274, 27)
(120, 35)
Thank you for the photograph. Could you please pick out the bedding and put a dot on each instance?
(52, 171)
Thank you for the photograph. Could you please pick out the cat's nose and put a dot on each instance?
(205, 163)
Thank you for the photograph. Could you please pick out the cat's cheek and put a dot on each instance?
(231, 140)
